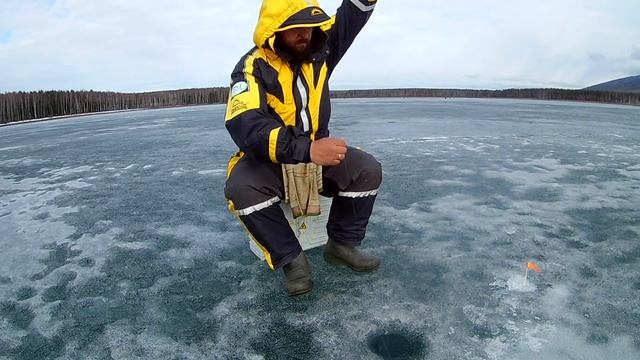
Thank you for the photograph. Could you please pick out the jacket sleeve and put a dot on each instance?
(350, 18)
(256, 132)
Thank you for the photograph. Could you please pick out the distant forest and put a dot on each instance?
(19, 106)
(624, 98)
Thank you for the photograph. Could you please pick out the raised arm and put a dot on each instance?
(350, 18)
(258, 133)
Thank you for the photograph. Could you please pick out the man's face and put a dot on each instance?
(297, 40)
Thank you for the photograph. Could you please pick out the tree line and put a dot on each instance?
(18, 106)
(625, 98)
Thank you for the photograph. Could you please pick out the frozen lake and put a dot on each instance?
(115, 241)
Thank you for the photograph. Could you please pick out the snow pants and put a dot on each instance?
(254, 190)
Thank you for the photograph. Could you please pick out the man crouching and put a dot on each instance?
(278, 115)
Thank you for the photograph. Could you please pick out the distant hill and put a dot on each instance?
(628, 84)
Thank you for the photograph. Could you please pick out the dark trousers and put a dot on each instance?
(255, 188)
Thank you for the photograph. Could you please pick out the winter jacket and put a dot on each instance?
(278, 106)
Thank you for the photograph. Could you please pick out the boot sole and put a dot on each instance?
(339, 262)
(300, 292)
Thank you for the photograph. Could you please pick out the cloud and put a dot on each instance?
(128, 46)
(502, 44)
(5, 37)
(152, 45)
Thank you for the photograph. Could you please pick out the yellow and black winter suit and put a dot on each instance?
(277, 107)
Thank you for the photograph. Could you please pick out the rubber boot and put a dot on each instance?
(345, 255)
(298, 275)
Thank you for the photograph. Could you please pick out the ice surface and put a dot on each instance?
(115, 241)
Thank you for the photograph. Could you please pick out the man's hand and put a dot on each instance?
(328, 151)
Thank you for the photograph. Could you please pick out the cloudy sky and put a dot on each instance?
(144, 45)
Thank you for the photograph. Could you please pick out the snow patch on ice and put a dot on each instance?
(516, 282)
(77, 184)
(58, 173)
(447, 183)
(10, 148)
(212, 172)
(151, 126)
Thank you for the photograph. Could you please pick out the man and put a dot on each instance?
(278, 113)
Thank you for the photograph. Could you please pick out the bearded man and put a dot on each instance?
(278, 113)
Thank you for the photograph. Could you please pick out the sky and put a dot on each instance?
(146, 45)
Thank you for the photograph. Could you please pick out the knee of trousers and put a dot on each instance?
(245, 192)
(370, 177)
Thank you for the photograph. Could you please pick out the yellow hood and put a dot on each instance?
(274, 13)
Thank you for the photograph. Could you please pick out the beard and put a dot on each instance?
(300, 51)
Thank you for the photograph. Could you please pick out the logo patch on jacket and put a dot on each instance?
(239, 88)
(237, 106)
